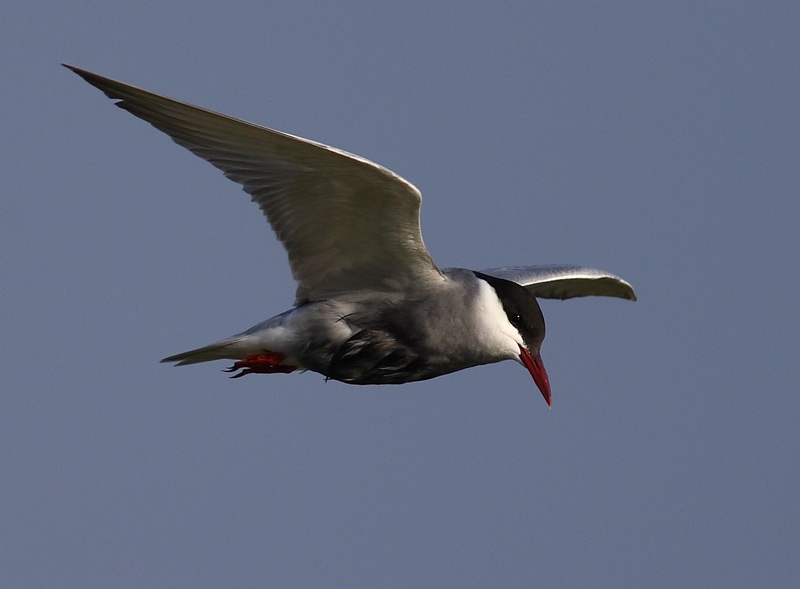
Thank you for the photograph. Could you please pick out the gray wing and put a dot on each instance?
(565, 282)
(347, 223)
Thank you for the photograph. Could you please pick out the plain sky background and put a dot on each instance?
(659, 141)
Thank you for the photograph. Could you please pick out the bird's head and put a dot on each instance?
(525, 316)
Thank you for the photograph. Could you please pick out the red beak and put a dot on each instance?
(535, 366)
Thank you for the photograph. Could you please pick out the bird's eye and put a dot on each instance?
(515, 319)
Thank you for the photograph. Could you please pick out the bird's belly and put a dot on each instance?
(380, 343)
(376, 358)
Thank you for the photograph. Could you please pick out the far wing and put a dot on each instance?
(565, 282)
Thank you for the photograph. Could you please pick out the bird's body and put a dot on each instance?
(380, 338)
(371, 305)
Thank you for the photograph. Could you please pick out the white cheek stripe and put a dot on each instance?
(496, 330)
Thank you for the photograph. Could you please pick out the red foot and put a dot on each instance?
(266, 363)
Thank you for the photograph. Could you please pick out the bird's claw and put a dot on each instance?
(265, 363)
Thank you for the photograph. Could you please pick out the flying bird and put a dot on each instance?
(371, 305)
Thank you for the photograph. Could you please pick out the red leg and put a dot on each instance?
(266, 363)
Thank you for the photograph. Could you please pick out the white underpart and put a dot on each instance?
(275, 338)
(286, 333)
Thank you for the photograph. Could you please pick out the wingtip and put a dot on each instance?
(624, 289)
(86, 75)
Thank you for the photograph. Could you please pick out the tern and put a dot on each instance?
(371, 305)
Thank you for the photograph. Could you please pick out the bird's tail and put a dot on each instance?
(233, 348)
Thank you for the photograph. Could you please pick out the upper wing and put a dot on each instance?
(347, 223)
(565, 282)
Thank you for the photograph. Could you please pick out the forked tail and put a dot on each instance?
(231, 348)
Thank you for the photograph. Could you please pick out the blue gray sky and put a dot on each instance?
(658, 141)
